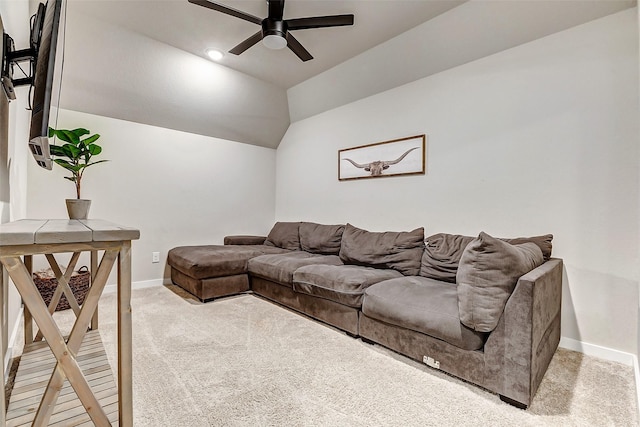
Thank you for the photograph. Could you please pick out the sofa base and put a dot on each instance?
(465, 364)
(208, 289)
(338, 315)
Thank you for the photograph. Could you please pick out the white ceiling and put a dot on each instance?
(144, 60)
(193, 29)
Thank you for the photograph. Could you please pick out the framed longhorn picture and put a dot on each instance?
(404, 156)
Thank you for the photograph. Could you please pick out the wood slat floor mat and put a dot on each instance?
(35, 369)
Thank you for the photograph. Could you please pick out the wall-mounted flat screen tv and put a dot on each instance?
(45, 33)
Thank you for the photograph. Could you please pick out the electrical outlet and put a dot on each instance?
(430, 361)
(155, 257)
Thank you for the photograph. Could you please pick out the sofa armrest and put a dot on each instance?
(244, 240)
(518, 351)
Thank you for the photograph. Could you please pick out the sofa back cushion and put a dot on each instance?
(543, 242)
(443, 251)
(321, 239)
(400, 251)
(488, 272)
(441, 256)
(284, 235)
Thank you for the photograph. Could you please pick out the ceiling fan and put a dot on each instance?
(275, 30)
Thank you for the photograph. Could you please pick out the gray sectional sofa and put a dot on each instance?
(483, 309)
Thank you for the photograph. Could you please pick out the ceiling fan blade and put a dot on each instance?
(319, 22)
(276, 9)
(229, 11)
(297, 48)
(247, 43)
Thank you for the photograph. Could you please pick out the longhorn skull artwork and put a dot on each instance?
(376, 167)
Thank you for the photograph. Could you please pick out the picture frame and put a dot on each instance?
(403, 156)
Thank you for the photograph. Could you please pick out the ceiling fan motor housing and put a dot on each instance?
(274, 28)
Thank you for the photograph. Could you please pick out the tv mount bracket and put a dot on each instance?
(11, 58)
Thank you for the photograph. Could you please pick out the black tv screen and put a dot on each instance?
(43, 82)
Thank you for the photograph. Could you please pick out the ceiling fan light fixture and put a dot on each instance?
(275, 42)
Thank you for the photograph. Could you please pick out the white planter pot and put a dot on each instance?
(78, 208)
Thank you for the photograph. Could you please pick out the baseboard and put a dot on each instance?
(599, 351)
(138, 285)
(10, 344)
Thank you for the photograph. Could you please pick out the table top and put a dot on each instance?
(50, 231)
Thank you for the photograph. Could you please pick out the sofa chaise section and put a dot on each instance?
(213, 271)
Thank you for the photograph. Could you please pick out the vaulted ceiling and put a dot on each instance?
(145, 61)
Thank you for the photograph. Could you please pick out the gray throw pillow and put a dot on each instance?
(321, 239)
(284, 235)
(400, 251)
(488, 272)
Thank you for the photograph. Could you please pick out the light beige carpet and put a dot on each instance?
(242, 361)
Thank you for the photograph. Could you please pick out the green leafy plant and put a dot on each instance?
(76, 154)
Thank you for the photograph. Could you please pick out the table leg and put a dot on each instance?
(94, 268)
(125, 339)
(28, 319)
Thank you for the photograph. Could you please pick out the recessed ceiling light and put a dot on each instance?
(214, 54)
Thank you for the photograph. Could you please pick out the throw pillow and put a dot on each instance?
(400, 251)
(284, 235)
(488, 271)
(321, 239)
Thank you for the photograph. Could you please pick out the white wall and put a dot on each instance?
(160, 85)
(177, 188)
(542, 138)
(638, 262)
(15, 18)
(470, 31)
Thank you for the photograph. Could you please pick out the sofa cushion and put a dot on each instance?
(443, 251)
(423, 305)
(201, 262)
(280, 267)
(344, 284)
(441, 256)
(400, 251)
(488, 272)
(284, 235)
(543, 242)
(244, 240)
(320, 238)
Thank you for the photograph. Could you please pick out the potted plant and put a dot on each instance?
(75, 155)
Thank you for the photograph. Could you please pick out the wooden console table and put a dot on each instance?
(26, 238)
